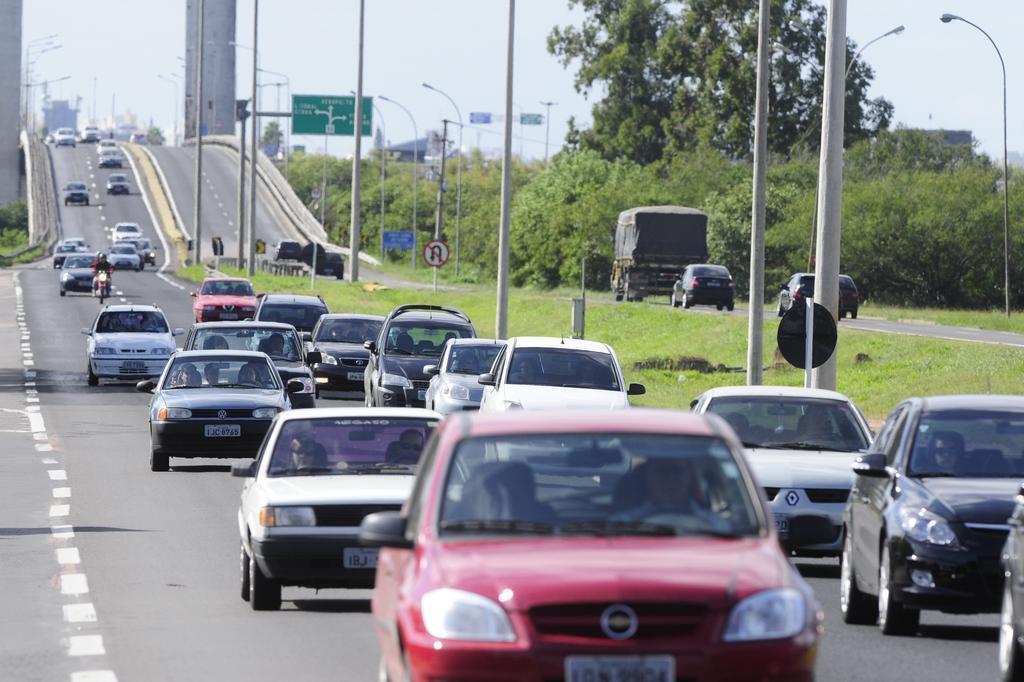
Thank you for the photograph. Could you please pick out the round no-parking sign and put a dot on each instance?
(435, 253)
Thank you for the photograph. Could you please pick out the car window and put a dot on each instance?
(349, 446)
(72, 262)
(418, 495)
(123, 248)
(499, 365)
(348, 330)
(221, 372)
(606, 484)
(227, 288)
(969, 443)
(471, 359)
(792, 422)
(710, 271)
(422, 337)
(896, 437)
(302, 317)
(122, 321)
(279, 344)
(563, 367)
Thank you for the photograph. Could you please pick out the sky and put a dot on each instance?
(937, 75)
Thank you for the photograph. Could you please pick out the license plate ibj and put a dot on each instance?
(223, 430)
(358, 557)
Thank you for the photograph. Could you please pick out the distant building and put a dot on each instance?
(404, 150)
(60, 114)
(949, 136)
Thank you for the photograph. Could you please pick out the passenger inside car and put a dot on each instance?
(186, 377)
(501, 491)
(407, 449)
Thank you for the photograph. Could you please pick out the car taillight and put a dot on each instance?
(797, 295)
(696, 281)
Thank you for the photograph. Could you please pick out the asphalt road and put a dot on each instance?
(159, 552)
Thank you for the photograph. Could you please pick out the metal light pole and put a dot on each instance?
(415, 160)
(180, 134)
(29, 103)
(946, 18)
(44, 43)
(354, 230)
(439, 222)
(501, 315)
(547, 126)
(253, 150)
(383, 169)
(200, 50)
(44, 85)
(892, 32)
(755, 319)
(287, 132)
(458, 174)
(174, 107)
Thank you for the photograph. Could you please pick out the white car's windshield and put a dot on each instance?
(792, 422)
(122, 321)
(567, 367)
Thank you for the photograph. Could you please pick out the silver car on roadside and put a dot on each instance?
(453, 380)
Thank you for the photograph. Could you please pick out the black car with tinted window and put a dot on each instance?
(288, 249)
(302, 312)
(339, 337)
(704, 284)
(76, 273)
(411, 338)
(801, 285)
(278, 340)
(927, 518)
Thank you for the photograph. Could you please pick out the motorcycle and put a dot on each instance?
(101, 285)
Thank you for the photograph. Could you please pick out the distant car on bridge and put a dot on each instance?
(117, 183)
(76, 193)
(64, 137)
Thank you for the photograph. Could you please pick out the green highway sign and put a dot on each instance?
(531, 119)
(329, 115)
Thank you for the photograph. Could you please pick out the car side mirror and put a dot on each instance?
(86, 331)
(192, 294)
(430, 370)
(871, 464)
(243, 469)
(384, 529)
(636, 389)
(693, 403)
(145, 386)
(487, 379)
(293, 386)
(370, 346)
(808, 530)
(178, 331)
(306, 337)
(314, 357)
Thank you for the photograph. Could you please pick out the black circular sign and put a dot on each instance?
(792, 335)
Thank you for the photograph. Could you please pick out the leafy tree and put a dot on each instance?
(154, 136)
(272, 135)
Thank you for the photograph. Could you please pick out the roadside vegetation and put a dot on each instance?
(678, 354)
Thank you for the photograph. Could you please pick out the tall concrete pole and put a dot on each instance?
(253, 149)
(355, 228)
(755, 320)
(200, 48)
(439, 222)
(830, 178)
(501, 315)
(241, 192)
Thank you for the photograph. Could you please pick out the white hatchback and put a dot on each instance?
(318, 473)
(125, 231)
(129, 342)
(540, 373)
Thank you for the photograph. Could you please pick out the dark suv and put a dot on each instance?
(302, 312)
(801, 285)
(412, 337)
(705, 284)
(288, 249)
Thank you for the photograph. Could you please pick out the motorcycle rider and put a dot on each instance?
(101, 264)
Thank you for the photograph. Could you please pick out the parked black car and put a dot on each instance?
(927, 517)
(801, 285)
(704, 284)
(302, 312)
(339, 338)
(412, 337)
(288, 249)
(328, 263)
(278, 340)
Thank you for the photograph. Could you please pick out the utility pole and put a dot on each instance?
(242, 111)
(439, 223)
(253, 149)
(354, 231)
(830, 178)
(755, 318)
(200, 49)
(547, 127)
(501, 315)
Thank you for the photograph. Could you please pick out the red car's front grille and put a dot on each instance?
(654, 620)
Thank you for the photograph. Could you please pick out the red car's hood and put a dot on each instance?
(711, 571)
(220, 299)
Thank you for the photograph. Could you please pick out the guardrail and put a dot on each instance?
(44, 227)
(266, 265)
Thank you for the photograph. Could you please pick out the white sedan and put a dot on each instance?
(801, 443)
(125, 256)
(539, 373)
(318, 473)
(129, 342)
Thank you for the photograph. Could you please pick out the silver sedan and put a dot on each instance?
(453, 380)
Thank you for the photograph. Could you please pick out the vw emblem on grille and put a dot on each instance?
(619, 621)
(222, 414)
(792, 498)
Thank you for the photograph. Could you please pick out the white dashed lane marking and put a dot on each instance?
(60, 509)
(74, 583)
(62, 492)
(57, 474)
(86, 645)
(94, 676)
(63, 532)
(80, 613)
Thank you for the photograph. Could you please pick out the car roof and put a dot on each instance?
(225, 279)
(473, 341)
(253, 354)
(127, 308)
(246, 324)
(558, 342)
(360, 412)
(352, 316)
(629, 420)
(778, 391)
(295, 298)
(940, 403)
(438, 315)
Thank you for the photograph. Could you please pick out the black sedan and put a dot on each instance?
(704, 284)
(278, 340)
(339, 338)
(927, 517)
(76, 273)
(213, 404)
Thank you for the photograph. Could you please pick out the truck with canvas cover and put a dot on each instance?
(652, 246)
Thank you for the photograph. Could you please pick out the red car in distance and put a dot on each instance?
(579, 546)
(224, 298)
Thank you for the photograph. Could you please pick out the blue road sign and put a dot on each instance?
(399, 241)
(483, 117)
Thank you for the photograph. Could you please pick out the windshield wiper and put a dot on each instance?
(399, 351)
(499, 525)
(935, 474)
(795, 445)
(237, 386)
(379, 467)
(604, 528)
(313, 470)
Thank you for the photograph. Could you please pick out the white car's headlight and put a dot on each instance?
(271, 517)
(456, 391)
(328, 359)
(457, 614)
(307, 384)
(772, 614)
(264, 413)
(395, 380)
(161, 350)
(173, 413)
(922, 525)
(104, 350)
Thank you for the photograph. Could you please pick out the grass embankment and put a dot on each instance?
(678, 354)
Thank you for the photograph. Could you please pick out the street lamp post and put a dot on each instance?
(415, 160)
(174, 107)
(253, 150)
(893, 32)
(43, 49)
(501, 314)
(45, 44)
(946, 18)
(458, 174)
(44, 84)
(547, 126)
(197, 103)
(287, 135)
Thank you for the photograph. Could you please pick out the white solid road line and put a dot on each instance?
(74, 583)
(86, 645)
(80, 613)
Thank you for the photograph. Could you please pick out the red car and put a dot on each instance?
(577, 546)
(224, 298)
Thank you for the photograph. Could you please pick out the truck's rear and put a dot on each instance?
(652, 245)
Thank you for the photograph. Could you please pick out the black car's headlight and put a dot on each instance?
(924, 526)
(328, 359)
